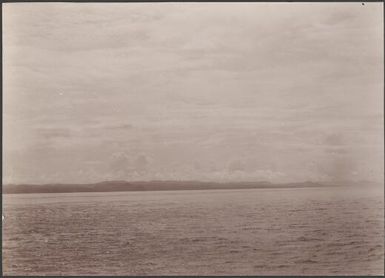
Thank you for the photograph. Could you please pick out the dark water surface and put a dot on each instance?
(319, 231)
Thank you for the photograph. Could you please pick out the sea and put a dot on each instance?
(281, 231)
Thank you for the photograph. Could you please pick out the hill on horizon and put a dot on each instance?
(119, 185)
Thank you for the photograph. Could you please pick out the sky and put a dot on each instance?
(278, 92)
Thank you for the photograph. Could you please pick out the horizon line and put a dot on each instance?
(197, 181)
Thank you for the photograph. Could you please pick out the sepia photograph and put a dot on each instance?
(192, 138)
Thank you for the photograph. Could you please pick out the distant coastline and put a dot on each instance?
(113, 186)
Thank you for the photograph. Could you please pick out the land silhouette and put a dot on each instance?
(113, 186)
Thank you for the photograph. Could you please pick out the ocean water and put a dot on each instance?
(303, 231)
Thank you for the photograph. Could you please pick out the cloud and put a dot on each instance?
(273, 86)
(49, 133)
